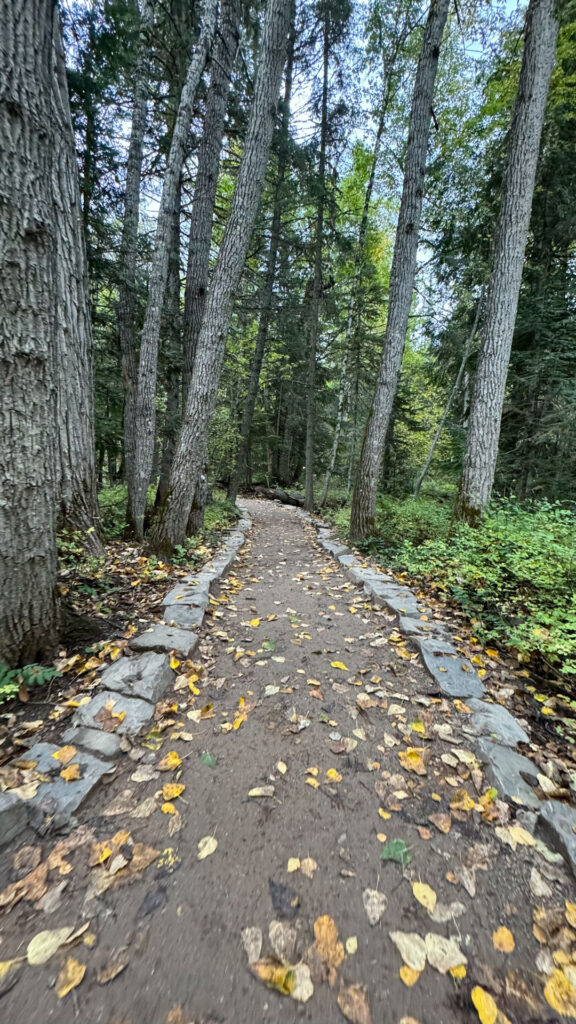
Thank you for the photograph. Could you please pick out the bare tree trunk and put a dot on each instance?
(401, 276)
(170, 526)
(314, 308)
(145, 419)
(240, 475)
(455, 389)
(173, 355)
(541, 31)
(206, 182)
(128, 256)
(29, 472)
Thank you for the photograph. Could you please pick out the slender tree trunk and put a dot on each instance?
(173, 356)
(205, 185)
(314, 308)
(145, 418)
(455, 389)
(401, 276)
(240, 475)
(170, 526)
(541, 31)
(128, 256)
(29, 300)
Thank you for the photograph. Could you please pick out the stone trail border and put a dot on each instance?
(129, 687)
(494, 731)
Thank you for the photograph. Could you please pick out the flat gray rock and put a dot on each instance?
(185, 615)
(137, 712)
(188, 593)
(504, 769)
(348, 560)
(13, 817)
(165, 638)
(58, 797)
(454, 674)
(334, 548)
(496, 721)
(103, 744)
(146, 676)
(555, 825)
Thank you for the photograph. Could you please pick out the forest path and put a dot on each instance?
(293, 612)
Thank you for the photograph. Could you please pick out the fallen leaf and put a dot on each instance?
(340, 665)
(560, 994)
(409, 976)
(283, 938)
(206, 846)
(351, 945)
(503, 940)
(313, 782)
(64, 754)
(252, 942)
(45, 944)
(281, 767)
(484, 1005)
(293, 864)
(70, 976)
(71, 773)
(411, 760)
(412, 949)
(375, 903)
(117, 962)
(303, 988)
(170, 761)
(425, 895)
(353, 1002)
(308, 866)
(443, 953)
(328, 945)
(397, 850)
(172, 790)
(278, 976)
(571, 913)
(262, 791)
(462, 801)
(333, 775)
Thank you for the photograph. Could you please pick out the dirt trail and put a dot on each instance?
(293, 612)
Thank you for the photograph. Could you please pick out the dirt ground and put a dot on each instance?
(382, 758)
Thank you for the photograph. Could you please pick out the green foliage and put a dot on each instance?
(11, 679)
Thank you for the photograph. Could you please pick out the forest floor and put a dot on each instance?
(326, 817)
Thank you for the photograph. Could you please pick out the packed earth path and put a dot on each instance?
(306, 835)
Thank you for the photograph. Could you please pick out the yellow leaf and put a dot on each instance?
(207, 711)
(71, 773)
(418, 727)
(491, 652)
(170, 790)
(571, 913)
(340, 665)
(409, 976)
(313, 782)
(174, 663)
(503, 940)
(484, 1005)
(351, 945)
(425, 895)
(333, 775)
(384, 814)
(561, 994)
(313, 682)
(327, 943)
(282, 977)
(254, 623)
(206, 846)
(312, 771)
(238, 721)
(462, 801)
(193, 689)
(281, 767)
(411, 760)
(168, 808)
(381, 837)
(65, 754)
(293, 864)
(170, 762)
(458, 972)
(70, 976)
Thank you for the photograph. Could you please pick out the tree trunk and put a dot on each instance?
(75, 391)
(170, 527)
(540, 36)
(240, 475)
(206, 183)
(173, 356)
(401, 276)
(128, 256)
(145, 418)
(455, 388)
(29, 474)
(314, 308)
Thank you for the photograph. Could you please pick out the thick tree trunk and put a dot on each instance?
(401, 276)
(241, 475)
(316, 294)
(145, 419)
(541, 31)
(75, 410)
(170, 526)
(29, 470)
(128, 256)
(206, 183)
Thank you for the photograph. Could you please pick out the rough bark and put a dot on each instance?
(170, 526)
(75, 410)
(172, 356)
(541, 31)
(128, 256)
(29, 471)
(145, 418)
(241, 474)
(401, 276)
(205, 185)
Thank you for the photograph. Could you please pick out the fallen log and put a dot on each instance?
(277, 494)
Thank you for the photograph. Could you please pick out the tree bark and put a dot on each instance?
(128, 256)
(172, 357)
(316, 294)
(206, 183)
(540, 34)
(170, 526)
(401, 276)
(29, 471)
(145, 418)
(241, 475)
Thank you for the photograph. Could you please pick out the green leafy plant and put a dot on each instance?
(12, 679)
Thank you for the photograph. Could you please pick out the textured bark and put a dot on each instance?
(241, 472)
(316, 293)
(145, 418)
(206, 183)
(172, 357)
(541, 31)
(29, 464)
(75, 410)
(401, 276)
(127, 297)
(170, 526)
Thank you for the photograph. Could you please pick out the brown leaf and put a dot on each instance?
(117, 962)
(353, 1002)
(108, 718)
(442, 821)
(31, 887)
